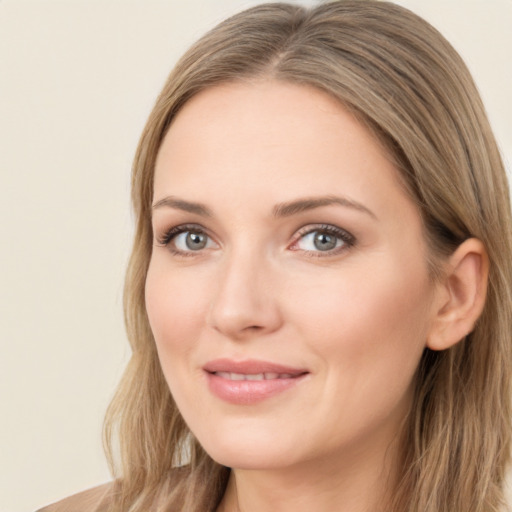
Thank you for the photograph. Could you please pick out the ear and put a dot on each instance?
(460, 296)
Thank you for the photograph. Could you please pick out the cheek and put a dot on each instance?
(368, 337)
(174, 303)
(370, 322)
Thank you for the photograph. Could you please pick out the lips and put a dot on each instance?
(253, 376)
(249, 382)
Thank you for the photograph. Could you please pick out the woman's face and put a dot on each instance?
(288, 290)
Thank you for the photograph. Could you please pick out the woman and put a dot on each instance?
(318, 298)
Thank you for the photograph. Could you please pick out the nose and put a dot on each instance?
(245, 302)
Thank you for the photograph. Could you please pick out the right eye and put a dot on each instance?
(185, 240)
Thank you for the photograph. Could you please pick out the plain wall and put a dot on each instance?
(77, 81)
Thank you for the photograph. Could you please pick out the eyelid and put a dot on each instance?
(346, 237)
(168, 235)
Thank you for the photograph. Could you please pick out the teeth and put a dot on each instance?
(253, 376)
(257, 376)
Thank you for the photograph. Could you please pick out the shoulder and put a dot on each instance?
(98, 499)
(91, 500)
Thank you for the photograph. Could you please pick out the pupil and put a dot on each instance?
(196, 241)
(324, 242)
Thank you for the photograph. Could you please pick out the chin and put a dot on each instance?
(249, 454)
(248, 461)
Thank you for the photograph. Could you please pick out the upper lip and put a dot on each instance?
(250, 367)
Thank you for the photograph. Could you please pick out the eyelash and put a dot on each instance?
(169, 235)
(347, 238)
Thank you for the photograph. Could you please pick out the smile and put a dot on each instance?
(254, 376)
(250, 382)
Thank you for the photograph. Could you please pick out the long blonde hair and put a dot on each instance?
(412, 90)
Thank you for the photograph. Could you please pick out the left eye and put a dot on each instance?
(323, 240)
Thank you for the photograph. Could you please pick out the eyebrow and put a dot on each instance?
(280, 210)
(181, 204)
(309, 203)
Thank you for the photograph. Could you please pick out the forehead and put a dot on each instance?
(270, 139)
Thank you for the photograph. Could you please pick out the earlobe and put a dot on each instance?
(461, 296)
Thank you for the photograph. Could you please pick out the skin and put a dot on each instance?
(357, 317)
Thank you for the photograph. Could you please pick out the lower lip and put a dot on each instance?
(247, 392)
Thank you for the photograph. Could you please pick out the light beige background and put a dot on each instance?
(77, 80)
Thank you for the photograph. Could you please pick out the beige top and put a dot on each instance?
(99, 499)
(92, 500)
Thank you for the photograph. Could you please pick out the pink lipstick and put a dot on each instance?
(251, 381)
